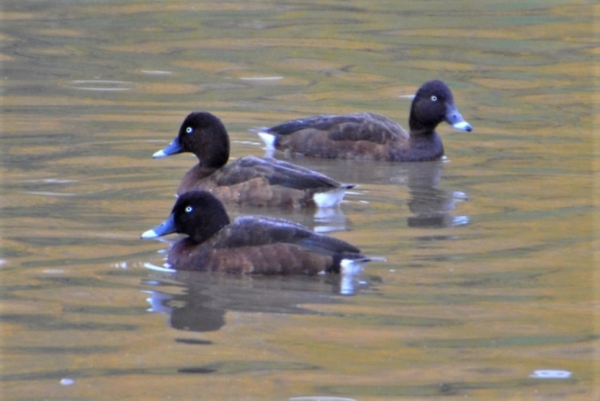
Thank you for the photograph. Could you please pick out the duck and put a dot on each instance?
(250, 180)
(371, 136)
(250, 244)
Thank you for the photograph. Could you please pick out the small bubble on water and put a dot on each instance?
(550, 374)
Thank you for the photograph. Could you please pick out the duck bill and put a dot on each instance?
(167, 227)
(173, 149)
(454, 118)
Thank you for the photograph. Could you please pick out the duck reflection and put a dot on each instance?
(431, 206)
(198, 301)
(320, 220)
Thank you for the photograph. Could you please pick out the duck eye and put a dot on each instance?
(189, 209)
(189, 130)
(433, 98)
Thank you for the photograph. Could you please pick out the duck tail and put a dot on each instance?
(269, 139)
(330, 198)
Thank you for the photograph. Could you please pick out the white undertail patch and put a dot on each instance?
(330, 198)
(268, 139)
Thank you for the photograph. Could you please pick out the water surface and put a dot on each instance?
(489, 290)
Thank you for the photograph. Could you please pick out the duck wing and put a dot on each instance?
(370, 127)
(275, 171)
(259, 231)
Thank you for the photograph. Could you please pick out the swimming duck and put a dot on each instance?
(250, 244)
(249, 180)
(372, 136)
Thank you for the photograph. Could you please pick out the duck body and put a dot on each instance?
(250, 180)
(372, 136)
(249, 245)
(265, 182)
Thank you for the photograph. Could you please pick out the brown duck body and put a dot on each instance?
(235, 249)
(260, 182)
(361, 136)
(372, 136)
(256, 245)
(250, 180)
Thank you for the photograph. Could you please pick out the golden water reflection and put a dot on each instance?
(489, 285)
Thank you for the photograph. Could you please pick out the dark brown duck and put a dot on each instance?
(251, 244)
(372, 136)
(250, 180)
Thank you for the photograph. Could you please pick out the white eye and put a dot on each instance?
(189, 209)
(189, 130)
(433, 98)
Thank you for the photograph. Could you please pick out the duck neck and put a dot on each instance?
(425, 145)
(215, 221)
(418, 128)
(213, 147)
(215, 154)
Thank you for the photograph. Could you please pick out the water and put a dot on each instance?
(489, 290)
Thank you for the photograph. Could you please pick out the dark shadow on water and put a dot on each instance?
(431, 206)
(198, 301)
(324, 221)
